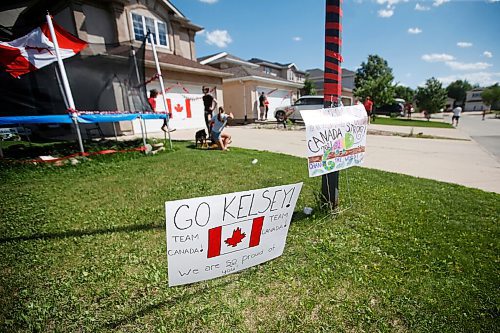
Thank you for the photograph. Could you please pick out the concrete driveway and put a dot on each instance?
(460, 161)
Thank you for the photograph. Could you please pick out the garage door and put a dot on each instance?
(276, 98)
(185, 104)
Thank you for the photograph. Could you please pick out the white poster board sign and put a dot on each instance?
(336, 138)
(214, 236)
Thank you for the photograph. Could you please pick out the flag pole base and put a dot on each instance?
(330, 189)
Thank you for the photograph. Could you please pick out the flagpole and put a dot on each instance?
(65, 82)
(158, 71)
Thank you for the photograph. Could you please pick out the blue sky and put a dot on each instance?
(446, 39)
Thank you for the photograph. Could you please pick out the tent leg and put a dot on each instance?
(165, 138)
(114, 130)
(142, 132)
(168, 131)
(78, 134)
(145, 129)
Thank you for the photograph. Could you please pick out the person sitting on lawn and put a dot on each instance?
(218, 123)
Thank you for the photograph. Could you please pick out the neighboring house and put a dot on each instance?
(112, 24)
(474, 101)
(248, 81)
(289, 72)
(316, 75)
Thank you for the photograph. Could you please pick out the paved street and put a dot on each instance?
(462, 161)
(485, 132)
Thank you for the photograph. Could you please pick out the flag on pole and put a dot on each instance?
(36, 50)
(234, 237)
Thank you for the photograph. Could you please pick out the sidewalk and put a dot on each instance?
(450, 133)
(454, 161)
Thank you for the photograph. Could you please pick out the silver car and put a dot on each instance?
(293, 112)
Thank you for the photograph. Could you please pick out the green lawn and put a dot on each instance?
(410, 122)
(82, 249)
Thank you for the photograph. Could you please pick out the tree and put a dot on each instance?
(374, 78)
(405, 93)
(458, 91)
(491, 95)
(432, 97)
(309, 87)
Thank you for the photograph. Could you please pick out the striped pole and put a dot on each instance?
(332, 84)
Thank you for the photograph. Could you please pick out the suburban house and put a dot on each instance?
(108, 25)
(250, 78)
(316, 75)
(288, 71)
(474, 101)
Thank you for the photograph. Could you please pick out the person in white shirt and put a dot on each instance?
(456, 115)
(217, 126)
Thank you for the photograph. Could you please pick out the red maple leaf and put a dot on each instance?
(38, 49)
(178, 108)
(235, 238)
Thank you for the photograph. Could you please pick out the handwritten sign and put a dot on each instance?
(336, 138)
(214, 236)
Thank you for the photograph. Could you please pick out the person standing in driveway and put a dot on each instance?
(409, 109)
(209, 104)
(456, 115)
(262, 105)
(368, 107)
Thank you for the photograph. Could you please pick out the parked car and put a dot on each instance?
(293, 112)
(394, 109)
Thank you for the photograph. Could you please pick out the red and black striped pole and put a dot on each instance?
(332, 84)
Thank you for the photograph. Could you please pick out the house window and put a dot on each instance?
(143, 24)
(267, 70)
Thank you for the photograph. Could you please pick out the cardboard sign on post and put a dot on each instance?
(336, 138)
(214, 236)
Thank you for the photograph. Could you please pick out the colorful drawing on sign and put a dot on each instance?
(336, 138)
(213, 236)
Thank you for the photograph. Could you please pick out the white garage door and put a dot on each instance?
(276, 98)
(184, 103)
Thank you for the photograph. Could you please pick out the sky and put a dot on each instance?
(445, 39)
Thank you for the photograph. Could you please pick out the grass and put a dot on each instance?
(82, 249)
(410, 122)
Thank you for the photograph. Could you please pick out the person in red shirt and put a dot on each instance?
(368, 107)
(153, 93)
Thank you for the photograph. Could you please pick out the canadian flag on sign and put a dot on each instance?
(36, 50)
(234, 237)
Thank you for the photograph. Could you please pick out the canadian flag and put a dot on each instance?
(234, 237)
(36, 50)
(179, 108)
